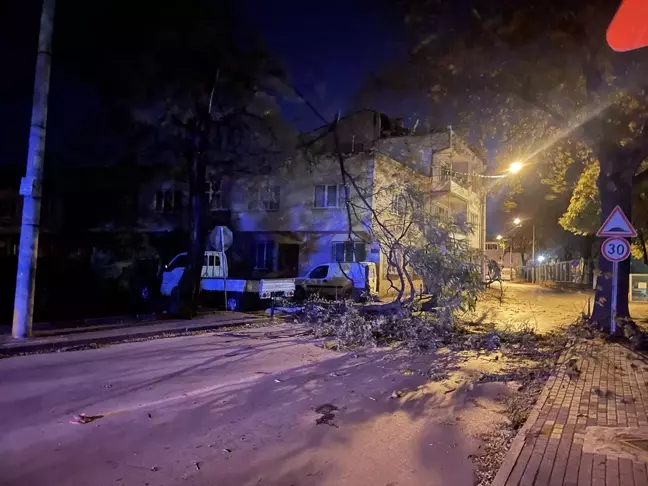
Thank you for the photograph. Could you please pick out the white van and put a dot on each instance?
(339, 280)
(241, 292)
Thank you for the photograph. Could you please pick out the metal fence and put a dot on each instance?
(572, 272)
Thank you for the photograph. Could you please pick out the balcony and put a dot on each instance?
(453, 184)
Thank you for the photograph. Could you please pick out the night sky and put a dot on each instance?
(329, 50)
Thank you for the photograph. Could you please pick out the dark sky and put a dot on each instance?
(328, 47)
(329, 50)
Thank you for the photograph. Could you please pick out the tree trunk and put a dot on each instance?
(190, 281)
(615, 189)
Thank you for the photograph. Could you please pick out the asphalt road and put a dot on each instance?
(243, 409)
(250, 408)
(544, 308)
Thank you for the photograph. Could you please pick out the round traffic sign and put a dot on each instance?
(616, 249)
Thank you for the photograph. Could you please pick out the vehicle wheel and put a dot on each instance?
(234, 302)
(300, 293)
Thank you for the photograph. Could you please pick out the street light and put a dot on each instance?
(515, 167)
(498, 237)
(517, 222)
(541, 258)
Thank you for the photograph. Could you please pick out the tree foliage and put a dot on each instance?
(538, 79)
(583, 215)
(197, 89)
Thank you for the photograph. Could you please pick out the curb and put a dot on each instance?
(36, 347)
(513, 453)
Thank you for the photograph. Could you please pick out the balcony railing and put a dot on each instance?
(451, 185)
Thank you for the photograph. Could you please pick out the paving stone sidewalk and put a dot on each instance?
(590, 425)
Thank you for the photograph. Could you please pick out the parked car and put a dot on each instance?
(339, 280)
(215, 279)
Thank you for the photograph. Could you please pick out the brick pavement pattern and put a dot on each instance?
(595, 384)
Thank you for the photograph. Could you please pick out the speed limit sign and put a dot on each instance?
(616, 249)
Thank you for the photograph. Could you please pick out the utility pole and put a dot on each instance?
(533, 252)
(31, 184)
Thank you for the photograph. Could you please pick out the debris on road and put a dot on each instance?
(328, 414)
(84, 419)
(326, 408)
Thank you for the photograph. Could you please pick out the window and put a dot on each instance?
(319, 272)
(441, 212)
(265, 198)
(168, 201)
(179, 262)
(492, 246)
(474, 220)
(264, 255)
(217, 196)
(212, 261)
(329, 196)
(348, 251)
(399, 204)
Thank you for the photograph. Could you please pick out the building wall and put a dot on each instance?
(296, 211)
(502, 255)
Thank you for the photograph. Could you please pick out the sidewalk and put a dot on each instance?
(81, 336)
(590, 425)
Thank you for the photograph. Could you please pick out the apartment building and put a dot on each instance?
(295, 219)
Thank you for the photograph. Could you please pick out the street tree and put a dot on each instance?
(198, 87)
(532, 79)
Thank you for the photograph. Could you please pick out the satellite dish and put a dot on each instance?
(215, 238)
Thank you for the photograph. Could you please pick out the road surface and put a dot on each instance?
(249, 409)
(544, 308)
(242, 409)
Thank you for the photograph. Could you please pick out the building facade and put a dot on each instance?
(296, 218)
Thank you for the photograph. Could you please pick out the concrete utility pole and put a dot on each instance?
(31, 184)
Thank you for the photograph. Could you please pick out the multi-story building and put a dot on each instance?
(296, 218)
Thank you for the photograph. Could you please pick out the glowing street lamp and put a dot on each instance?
(498, 237)
(515, 167)
(541, 258)
(517, 221)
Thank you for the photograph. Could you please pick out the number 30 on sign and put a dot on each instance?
(616, 249)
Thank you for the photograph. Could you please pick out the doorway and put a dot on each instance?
(288, 260)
